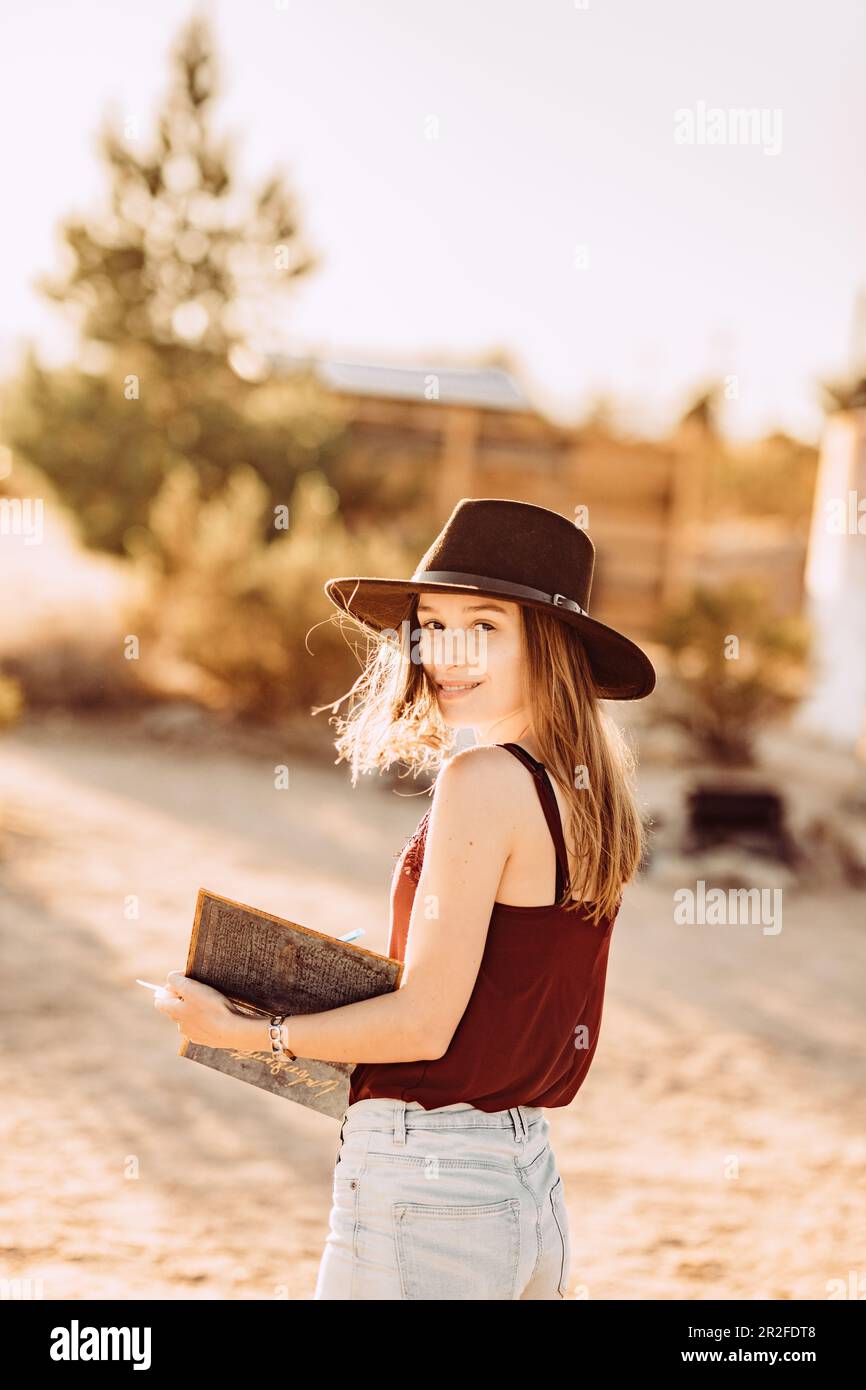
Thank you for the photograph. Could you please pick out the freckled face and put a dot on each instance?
(472, 644)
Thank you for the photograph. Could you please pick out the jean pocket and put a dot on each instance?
(560, 1216)
(458, 1252)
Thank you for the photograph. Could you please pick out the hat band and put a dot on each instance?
(497, 586)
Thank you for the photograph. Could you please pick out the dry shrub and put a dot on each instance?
(221, 599)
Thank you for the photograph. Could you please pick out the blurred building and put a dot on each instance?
(420, 438)
(836, 584)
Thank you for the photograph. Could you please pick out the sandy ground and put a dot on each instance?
(717, 1149)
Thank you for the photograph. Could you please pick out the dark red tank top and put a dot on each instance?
(529, 1032)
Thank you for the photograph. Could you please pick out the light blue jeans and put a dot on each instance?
(452, 1203)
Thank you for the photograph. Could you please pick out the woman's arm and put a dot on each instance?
(468, 841)
(388, 1028)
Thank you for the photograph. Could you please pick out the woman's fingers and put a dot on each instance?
(170, 991)
(167, 1002)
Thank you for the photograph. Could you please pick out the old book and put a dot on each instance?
(266, 965)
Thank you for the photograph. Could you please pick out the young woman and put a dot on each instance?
(502, 908)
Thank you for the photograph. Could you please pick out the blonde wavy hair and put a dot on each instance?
(394, 716)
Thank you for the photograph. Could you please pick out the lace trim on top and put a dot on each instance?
(413, 850)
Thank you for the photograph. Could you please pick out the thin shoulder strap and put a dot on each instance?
(550, 807)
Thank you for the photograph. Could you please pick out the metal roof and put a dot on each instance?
(492, 387)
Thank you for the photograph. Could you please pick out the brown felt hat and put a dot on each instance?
(520, 552)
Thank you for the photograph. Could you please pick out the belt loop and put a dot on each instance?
(521, 1132)
(399, 1122)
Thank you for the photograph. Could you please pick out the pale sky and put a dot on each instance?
(556, 132)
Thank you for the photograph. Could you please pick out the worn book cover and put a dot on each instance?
(266, 965)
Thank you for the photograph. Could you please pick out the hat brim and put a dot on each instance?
(621, 670)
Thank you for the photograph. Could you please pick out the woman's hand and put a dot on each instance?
(201, 1013)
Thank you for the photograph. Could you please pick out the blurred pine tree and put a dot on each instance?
(172, 290)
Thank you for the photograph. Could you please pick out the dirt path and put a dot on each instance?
(717, 1149)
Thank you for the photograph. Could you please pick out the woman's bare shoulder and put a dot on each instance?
(487, 760)
(487, 771)
(474, 798)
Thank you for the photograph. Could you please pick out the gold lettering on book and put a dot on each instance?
(281, 1066)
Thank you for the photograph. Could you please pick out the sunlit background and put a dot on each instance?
(450, 162)
(281, 284)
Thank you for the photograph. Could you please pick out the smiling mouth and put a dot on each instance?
(453, 688)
